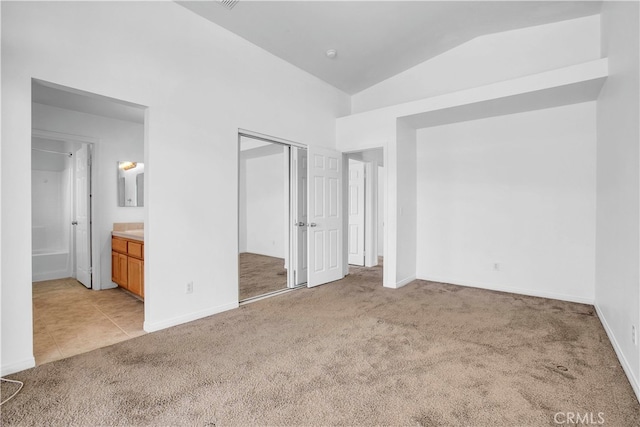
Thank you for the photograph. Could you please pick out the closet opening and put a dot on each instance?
(272, 220)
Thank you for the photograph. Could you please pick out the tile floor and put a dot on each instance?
(69, 319)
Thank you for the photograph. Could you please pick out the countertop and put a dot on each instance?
(130, 234)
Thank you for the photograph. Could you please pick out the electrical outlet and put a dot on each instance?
(634, 335)
(189, 289)
(496, 266)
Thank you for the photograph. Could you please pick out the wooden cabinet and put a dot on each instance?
(135, 276)
(127, 264)
(119, 269)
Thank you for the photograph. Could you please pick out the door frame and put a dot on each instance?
(289, 234)
(295, 187)
(93, 201)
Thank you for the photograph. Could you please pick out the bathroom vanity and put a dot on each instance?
(127, 259)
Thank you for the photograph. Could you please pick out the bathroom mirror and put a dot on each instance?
(130, 184)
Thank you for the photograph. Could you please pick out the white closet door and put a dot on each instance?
(299, 215)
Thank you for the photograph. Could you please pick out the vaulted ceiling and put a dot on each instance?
(375, 40)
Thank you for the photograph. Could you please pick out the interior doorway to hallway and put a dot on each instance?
(365, 208)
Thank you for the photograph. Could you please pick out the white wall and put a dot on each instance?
(201, 83)
(384, 126)
(489, 59)
(50, 198)
(117, 140)
(405, 207)
(50, 213)
(52, 210)
(617, 284)
(517, 190)
(263, 203)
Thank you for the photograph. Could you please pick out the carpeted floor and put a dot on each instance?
(347, 353)
(260, 274)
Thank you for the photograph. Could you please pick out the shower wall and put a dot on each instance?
(51, 201)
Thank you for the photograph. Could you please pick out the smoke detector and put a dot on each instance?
(331, 53)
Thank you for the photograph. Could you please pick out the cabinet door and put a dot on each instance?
(136, 276)
(122, 261)
(115, 267)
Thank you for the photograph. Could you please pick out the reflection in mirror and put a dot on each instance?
(130, 183)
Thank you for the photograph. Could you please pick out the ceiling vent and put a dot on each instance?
(229, 4)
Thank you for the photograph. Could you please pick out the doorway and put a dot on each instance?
(365, 208)
(77, 140)
(61, 208)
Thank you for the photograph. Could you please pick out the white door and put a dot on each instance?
(299, 215)
(356, 212)
(325, 216)
(83, 215)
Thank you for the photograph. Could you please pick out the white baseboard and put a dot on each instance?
(50, 275)
(520, 291)
(175, 321)
(12, 368)
(402, 282)
(616, 347)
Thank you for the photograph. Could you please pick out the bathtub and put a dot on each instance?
(49, 265)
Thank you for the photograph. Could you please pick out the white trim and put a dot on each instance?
(511, 290)
(59, 136)
(272, 294)
(363, 148)
(175, 321)
(402, 282)
(616, 347)
(269, 138)
(371, 214)
(12, 368)
(50, 275)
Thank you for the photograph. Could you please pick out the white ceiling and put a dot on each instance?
(376, 39)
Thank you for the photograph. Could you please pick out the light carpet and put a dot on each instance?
(347, 353)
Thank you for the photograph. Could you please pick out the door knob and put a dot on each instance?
(300, 224)
(313, 224)
(74, 222)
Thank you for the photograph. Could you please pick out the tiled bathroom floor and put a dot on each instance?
(69, 319)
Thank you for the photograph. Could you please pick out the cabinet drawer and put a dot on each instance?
(136, 249)
(119, 245)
